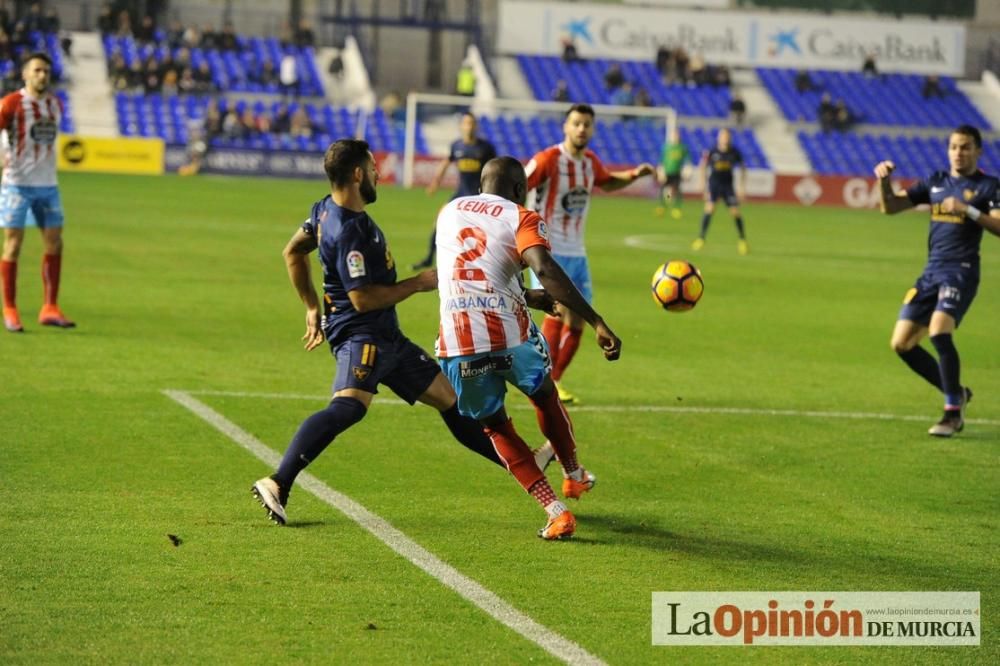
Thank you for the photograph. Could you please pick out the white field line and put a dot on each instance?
(665, 409)
(444, 573)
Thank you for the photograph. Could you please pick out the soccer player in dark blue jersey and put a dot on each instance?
(470, 154)
(358, 318)
(963, 202)
(717, 166)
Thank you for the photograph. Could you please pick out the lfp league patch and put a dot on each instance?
(356, 264)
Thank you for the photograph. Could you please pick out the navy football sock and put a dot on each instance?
(950, 369)
(739, 226)
(315, 434)
(705, 220)
(922, 363)
(470, 434)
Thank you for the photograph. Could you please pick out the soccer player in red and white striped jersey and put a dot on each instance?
(487, 339)
(563, 177)
(29, 120)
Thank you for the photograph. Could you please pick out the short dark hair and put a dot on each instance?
(582, 108)
(342, 158)
(37, 55)
(970, 131)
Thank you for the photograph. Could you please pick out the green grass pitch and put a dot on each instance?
(179, 284)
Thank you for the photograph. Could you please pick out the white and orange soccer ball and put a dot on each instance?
(677, 286)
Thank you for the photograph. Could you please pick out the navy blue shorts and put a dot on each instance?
(950, 290)
(724, 192)
(364, 362)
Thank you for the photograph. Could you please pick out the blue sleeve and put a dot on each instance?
(919, 192)
(453, 152)
(309, 226)
(353, 263)
(738, 157)
(491, 152)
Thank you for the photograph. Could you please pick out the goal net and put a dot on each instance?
(624, 136)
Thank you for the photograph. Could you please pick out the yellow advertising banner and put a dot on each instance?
(106, 155)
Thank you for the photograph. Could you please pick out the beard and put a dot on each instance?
(368, 193)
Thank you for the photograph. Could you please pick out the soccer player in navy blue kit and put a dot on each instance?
(963, 202)
(358, 318)
(718, 165)
(470, 154)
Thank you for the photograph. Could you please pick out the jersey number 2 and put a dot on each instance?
(461, 270)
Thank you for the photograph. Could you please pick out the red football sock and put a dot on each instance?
(51, 270)
(8, 271)
(568, 344)
(555, 424)
(542, 491)
(515, 454)
(552, 332)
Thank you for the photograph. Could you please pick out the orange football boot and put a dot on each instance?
(560, 527)
(573, 489)
(12, 320)
(51, 315)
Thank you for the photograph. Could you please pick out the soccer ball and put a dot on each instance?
(677, 286)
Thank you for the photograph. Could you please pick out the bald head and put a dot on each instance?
(504, 177)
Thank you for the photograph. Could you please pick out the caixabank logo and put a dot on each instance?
(816, 618)
(611, 34)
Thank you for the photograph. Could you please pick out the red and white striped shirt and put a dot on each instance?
(562, 187)
(29, 125)
(480, 240)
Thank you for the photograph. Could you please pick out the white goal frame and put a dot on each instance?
(496, 106)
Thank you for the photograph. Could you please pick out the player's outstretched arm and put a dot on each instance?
(539, 299)
(438, 176)
(296, 254)
(891, 202)
(562, 289)
(620, 179)
(380, 296)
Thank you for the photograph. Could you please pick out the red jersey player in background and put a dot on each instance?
(563, 177)
(29, 120)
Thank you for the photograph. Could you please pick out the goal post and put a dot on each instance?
(513, 108)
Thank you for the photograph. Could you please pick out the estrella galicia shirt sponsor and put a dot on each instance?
(721, 164)
(470, 158)
(954, 238)
(353, 253)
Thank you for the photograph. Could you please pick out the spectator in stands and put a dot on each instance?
(737, 110)
(20, 39)
(932, 87)
(300, 125)
(304, 35)
(826, 113)
(105, 19)
(170, 83)
(720, 76)
(136, 76)
(34, 21)
(265, 75)
(842, 116)
(175, 35)
(6, 48)
(204, 83)
(803, 82)
(288, 76)
(281, 124)
(119, 73)
(192, 37)
(187, 84)
(209, 37)
(623, 95)
(561, 92)
(642, 97)
(227, 38)
(868, 67)
(613, 78)
(151, 82)
(123, 24)
(664, 62)
(465, 79)
(146, 32)
(12, 81)
(569, 52)
(5, 23)
(681, 65)
(697, 70)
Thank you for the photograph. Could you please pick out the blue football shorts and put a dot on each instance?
(724, 192)
(480, 380)
(950, 290)
(21, 204)
(364, 362)
(578, 271)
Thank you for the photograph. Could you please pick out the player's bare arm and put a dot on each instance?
(620, 179)
(990, 222)
(438, 176)
(562, 289)
(296, 255)
(539, 299)
(381, 296)
(891, 201)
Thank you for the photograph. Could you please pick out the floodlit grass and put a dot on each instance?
(179, 283)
